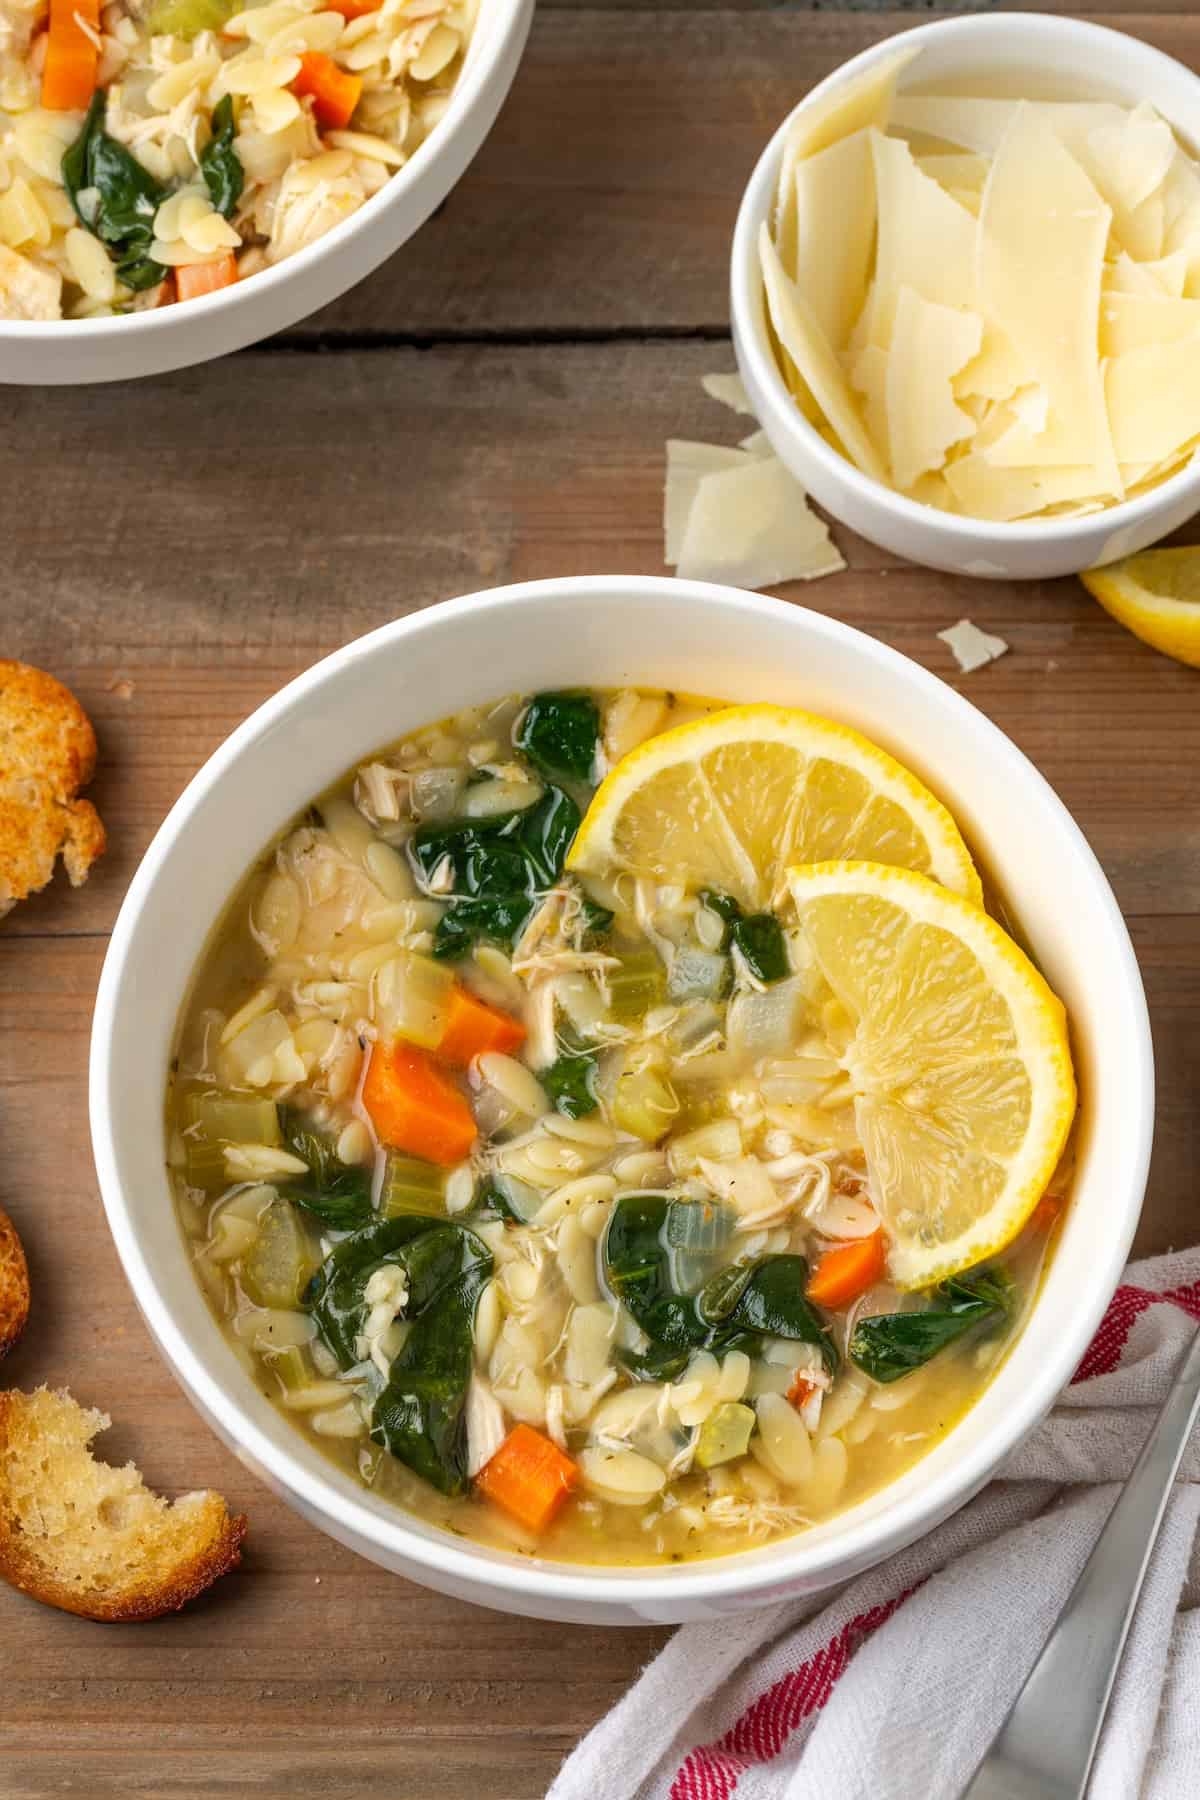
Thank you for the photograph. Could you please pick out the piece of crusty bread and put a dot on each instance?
(93, 1539)
(14, 1285)
(47, 753)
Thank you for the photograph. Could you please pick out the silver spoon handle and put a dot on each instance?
(1044, 1749)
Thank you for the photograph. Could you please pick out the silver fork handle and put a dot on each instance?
(1044, 1749)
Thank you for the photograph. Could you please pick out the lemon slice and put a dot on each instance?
(731, 799)
(1156, 595)
(958, 1058)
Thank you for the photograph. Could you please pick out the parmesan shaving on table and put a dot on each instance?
(729, 390)
(990, 305)
(736, 514)
(972, 649)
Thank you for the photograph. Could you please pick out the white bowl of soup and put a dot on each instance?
(482, 1211)
(968, 526)
(273, 201)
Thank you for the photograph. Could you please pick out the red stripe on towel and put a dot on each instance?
(711, 1771)
(1104, 1352)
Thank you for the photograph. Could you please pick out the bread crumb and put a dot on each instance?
(47, 753)
(122, 687)
(91, 1539)
(14, 1285)
(972, 648)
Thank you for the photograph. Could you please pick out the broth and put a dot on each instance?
(592, 1224)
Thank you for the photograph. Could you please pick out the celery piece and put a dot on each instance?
(637, 985)
(725, 1434)
(645, 1104)
(292, 1368)
(697, 974)
(704, 1226)
(275, 1269)
(216, 1118)
(412, 994)
(188, 18)
(411, 1186)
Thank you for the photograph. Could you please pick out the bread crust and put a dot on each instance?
(218, 1536)
(47, 753)
(14, 1285)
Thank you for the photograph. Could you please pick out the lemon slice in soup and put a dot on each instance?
(730, 800)
(958, 1059)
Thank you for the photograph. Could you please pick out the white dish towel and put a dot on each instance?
(893, 1689)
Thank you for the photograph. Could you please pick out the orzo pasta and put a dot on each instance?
(624, 1187)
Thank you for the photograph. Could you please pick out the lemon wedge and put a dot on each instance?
(730, 800)
(958, 1059)
(1156, 595)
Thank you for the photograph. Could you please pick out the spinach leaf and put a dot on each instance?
(658, 1363)
(773, 1304)
(499, 866)
(468, 922)
(725, 907)
(721, 1293)
(638, 1272)
(759, 936)
(336, 1294)
(337, 1193)
(418, 1417)
(570, 1081)
(890, 1345)
(127, 198)
(220, 165)
(546, 833)
(741, 1304)
(760, 939)
(559, 734)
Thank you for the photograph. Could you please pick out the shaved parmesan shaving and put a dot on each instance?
(835, 231)
(687, 465)
(757, 444)
(851, 106)
(868, 377)
(1042, 236)
(1134, 157)
(728, 389)
(812, 354)
(984, 302)
(987, 492)
(752, 527)
(932, 345)
(926, 239)
(972, 648)
(981, 124)
(1154, 399)
(1134, 321)
(955, 171)
(1167, 276)
(997, 372)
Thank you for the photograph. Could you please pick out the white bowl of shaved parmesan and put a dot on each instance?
(181, 178)
(966, 294)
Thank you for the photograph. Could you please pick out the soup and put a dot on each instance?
(582, 1175)
(156, 152)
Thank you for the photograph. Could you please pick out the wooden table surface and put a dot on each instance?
(490, 407)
